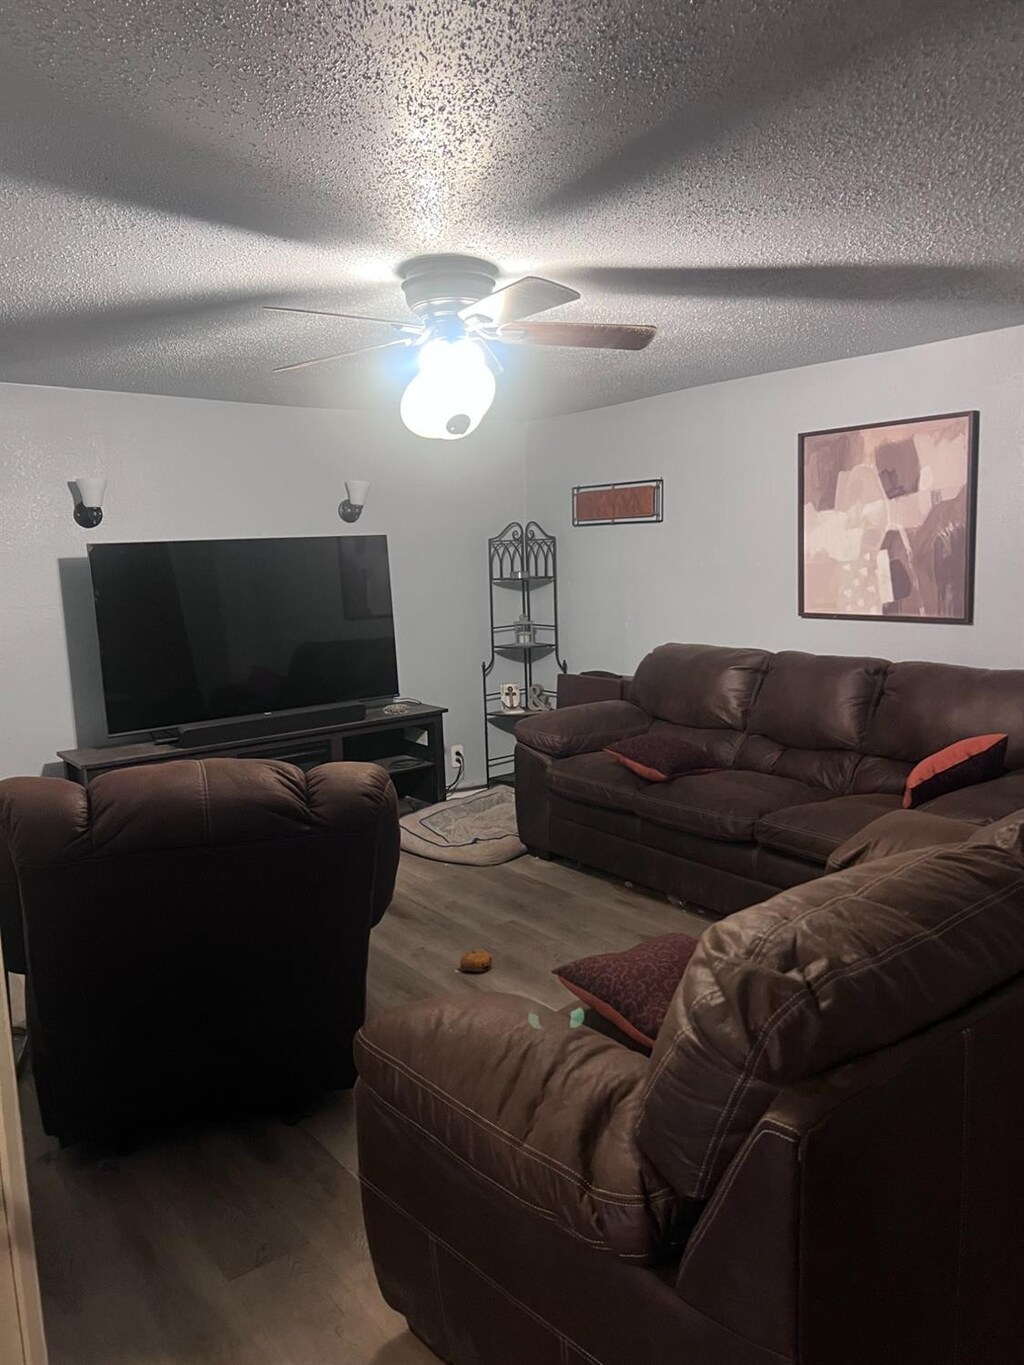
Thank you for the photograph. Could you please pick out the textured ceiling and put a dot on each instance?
(772, 182)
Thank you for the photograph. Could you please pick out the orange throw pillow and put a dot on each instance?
(962, 764)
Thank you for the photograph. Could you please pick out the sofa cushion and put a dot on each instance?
(874, 774)
(813, 831)
(816, 701)
(964, 764)
(923, 707)
(632, 989)
(898, 831)
(596, 779)
(529, 1105)
(817, 976)
(707, 686)
(725, 804)
(985, 802)
(832, 769)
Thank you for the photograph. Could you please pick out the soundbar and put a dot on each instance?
(207, 733)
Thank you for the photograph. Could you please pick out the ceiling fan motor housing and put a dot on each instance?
(438, 286)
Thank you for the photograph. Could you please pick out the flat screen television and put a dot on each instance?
(203, 630)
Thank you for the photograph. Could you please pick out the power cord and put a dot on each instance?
(460, 763)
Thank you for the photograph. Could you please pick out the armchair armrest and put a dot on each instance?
(510, 1091)
(582, 729)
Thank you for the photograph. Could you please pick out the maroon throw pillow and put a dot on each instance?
(962, 764)
(632, 989)
(658, 758)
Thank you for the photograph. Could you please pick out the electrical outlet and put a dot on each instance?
(457, 755)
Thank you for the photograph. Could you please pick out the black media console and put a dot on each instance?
(410, 745)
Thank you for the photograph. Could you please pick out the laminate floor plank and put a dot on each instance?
(243, 1244)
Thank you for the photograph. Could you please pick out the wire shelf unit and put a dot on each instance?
(522, 566)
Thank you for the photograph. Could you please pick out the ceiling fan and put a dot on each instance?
(459, 316)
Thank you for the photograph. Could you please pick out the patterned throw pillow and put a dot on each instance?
(632, 989)
(658, 758)
(963, 764)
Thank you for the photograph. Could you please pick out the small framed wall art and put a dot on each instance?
(887, 520)
(617, 504)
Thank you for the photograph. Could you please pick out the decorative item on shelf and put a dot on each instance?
(524, 630)
(510, 697)
(887, 519)
(356, 491)
(618, 504)
(89, 501)
(538, 698)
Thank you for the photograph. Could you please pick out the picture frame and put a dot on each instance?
(618, 504)
(887, 520)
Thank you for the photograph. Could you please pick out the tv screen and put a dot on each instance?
(197, 630)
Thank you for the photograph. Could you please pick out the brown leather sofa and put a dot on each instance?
(195, 933)
(819, 1165)
(807, 749)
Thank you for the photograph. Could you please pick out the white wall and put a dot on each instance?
(188, 468)
(722, 567)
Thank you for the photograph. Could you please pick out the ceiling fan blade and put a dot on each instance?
(409, 326)
(520, 299)
(341, 355)
(824, 282)
(610, 336)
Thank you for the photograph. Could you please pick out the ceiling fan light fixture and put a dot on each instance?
(452, 392)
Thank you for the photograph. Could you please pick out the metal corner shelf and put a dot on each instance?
(521, 559)
(527, 580)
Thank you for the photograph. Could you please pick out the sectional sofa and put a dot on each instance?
(805, 751)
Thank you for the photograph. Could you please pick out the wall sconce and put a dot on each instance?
(89, 505)
(355, 499)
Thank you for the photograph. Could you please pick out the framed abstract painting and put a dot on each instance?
(887, 515)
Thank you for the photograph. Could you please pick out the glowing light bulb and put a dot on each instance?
(451, 393)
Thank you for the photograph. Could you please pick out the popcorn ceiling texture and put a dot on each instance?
(772, 182)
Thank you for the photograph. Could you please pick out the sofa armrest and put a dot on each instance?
(582, 729)
(578, 689)
(864, 1178)
(533, 1106)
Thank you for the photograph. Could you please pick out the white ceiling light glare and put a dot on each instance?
(452, 392)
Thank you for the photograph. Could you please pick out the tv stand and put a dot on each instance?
(409, 745)
(213, 732)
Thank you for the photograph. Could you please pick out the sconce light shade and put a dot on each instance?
(356, 491)
(89, 508)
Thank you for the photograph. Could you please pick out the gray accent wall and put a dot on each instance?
(722, 567)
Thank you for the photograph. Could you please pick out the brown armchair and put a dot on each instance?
(195, 933)
(819, 1164)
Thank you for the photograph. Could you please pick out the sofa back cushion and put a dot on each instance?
(810, 716)
(924, 707)
(820, 975)
(816, 701)
(708, 687)
(718, 748)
